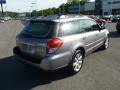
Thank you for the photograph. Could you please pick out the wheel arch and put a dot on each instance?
(79, 48)
(82, 49)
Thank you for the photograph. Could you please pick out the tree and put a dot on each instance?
(12, 14)
(84, 1)
(77, 2)
(63, 9)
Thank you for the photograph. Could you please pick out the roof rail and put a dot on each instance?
(61, 16)
(70, 16)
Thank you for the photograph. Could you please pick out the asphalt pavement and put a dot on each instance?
(101, 69)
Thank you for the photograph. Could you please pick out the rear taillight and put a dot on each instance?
(53, 45)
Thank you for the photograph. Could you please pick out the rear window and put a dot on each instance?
(39, 28)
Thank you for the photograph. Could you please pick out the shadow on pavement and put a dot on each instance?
(16, 76)
(114, 34)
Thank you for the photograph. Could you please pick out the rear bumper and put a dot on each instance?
(52, 62)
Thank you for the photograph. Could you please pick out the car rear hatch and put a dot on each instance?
(34, 37)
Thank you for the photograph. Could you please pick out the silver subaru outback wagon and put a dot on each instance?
(54, 42)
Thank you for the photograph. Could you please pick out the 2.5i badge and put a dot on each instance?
(30, 50)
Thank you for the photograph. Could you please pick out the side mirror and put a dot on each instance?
(101, 28)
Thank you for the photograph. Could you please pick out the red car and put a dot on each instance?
(98, 20)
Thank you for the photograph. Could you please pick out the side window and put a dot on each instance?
(82, 26)
(69, 28)
(91, 25)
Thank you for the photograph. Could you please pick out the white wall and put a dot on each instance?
(107, 7)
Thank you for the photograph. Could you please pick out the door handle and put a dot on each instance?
(84, 38)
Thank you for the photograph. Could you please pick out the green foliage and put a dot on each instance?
(11, 14)
(61, 9)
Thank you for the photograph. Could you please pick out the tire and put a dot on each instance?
(118, 30)
(77, 62)
(106, 43)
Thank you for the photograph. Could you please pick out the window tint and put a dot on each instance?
(90, 25)
(38, 28)
(69, 28)
(82, 26)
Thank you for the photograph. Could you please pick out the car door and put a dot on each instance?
(89, 34)
(99, 35)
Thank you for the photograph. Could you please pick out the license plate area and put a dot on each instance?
(28, 48)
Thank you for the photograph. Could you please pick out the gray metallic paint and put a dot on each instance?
(89, 41)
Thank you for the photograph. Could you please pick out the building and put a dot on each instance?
(99, 7)
(111, 7)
